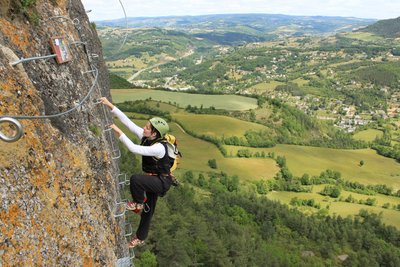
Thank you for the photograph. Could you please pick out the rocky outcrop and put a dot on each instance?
(57, 183)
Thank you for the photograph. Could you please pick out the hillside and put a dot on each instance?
(389, 28)
(234, 29)
(348, 79)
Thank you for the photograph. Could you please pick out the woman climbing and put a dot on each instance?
(156, 179)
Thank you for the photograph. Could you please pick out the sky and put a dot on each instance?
(112, 9)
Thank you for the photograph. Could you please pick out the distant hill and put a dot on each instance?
(117, 82)
(242, 28)
(389, 28)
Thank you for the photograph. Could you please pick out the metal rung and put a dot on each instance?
(124, 208)
(59, 17)
(88, 71)
(130, 232)
(97, 102)
(119, 179)
(74, 21)
(127, 181)
(118, 155)
(78, 43)
(122, 192)
(131, 253)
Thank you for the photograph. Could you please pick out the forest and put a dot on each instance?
(213, 222)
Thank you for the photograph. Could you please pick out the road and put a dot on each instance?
(188, 53)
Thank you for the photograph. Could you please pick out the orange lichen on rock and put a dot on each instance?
(87, 187)
(16, 36)
(88, 262)
(9, 84)
(12, 217)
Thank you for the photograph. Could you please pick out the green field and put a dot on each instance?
(216, 125)
(228, 102)
(368, 135)
(265, 87)
(300, 81)
(344, 209)
(364, 36)
(313, 160)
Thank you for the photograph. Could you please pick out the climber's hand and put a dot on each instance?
(116, 129)
(105, 101)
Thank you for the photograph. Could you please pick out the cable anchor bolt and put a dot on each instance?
(14, 126)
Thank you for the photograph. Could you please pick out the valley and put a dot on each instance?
(298, 93)
(299, 114)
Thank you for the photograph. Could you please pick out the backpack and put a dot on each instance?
(172, 150)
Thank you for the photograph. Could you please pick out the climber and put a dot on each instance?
(156, 179)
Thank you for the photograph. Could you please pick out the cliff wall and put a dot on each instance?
(58, 182)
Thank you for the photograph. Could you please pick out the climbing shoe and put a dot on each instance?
(135, 207)
(135, 242)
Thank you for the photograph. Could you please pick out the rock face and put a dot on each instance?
(58, 189)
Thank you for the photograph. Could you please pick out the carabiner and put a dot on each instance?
(18, 131)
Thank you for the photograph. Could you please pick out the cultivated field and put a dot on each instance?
(313, 160)
(228, 102)
(216, 125)
(368, 135)
(364, 36)
(344, 209)
(264, 87)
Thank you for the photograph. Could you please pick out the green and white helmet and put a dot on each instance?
(160, 125)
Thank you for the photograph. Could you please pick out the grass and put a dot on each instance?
(216, 125)
(124, 72)
(197, 152)
(228, 102)
(368, 135)
(313, 160)
(364, 36)
(344, 209)
(300, 82)
(265, 87)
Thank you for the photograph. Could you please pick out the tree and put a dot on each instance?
(202, 182)
(361, 163)
(212, 163)
(188, 176)
(332, 191)
(148, 259)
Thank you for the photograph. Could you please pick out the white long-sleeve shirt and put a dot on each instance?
(156, 150)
